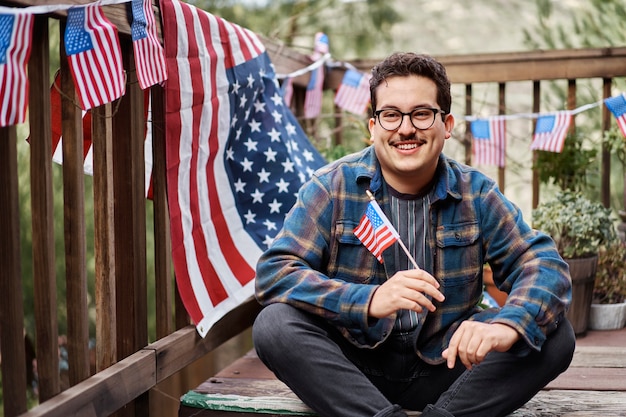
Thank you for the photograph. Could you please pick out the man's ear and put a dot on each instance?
(370, 125)
(449, 123)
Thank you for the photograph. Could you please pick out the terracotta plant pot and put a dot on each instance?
(492, 290)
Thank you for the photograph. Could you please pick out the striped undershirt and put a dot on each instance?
(409, 214)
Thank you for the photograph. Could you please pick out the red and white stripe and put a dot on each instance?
(149, 55)
(99, 72)
(553, 140)
(214, 258)
(13, 77)
(492, 150)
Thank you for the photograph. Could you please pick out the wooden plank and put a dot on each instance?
(74, 226)
(44, 274)
(117, 14)
(546, 403)
(574, 404)
(529, 66)
(105, 393)
(595, 369)
(596, 379)
(599, 357)
(11, 307)
(185, 346)
(130, 213)
(164, 284)
(130, 221)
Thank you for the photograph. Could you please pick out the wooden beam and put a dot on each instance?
(116, 13)
(44, 274)
(11, 307)
(121, 383)
(529, 66)
(103, 394)
(183, 347)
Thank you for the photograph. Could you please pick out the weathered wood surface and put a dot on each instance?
(594, 385)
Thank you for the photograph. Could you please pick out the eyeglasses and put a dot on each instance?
(421, 118)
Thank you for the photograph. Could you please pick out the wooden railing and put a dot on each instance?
(127, 367)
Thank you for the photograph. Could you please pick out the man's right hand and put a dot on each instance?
(408, 290)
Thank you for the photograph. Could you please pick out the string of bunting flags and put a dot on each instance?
(93, 51)
(95, 60)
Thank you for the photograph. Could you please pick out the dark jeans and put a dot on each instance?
(335, 378)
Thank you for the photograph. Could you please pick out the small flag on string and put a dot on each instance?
(375, 230)
(149, 55)
(550, 131)
(314, 90)
(95, 58)
(15, 44)
(489, 144)
(617, 106)
(353, 94)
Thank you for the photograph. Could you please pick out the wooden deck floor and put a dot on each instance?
(593, 386)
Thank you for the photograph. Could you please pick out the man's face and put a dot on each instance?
(408, 156)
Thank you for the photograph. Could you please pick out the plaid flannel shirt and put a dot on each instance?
(317, 264)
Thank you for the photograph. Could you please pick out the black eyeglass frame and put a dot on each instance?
(402, 114)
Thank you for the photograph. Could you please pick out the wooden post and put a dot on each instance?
(11, 307)
(44, 275)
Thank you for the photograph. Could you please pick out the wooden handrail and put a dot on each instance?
(121, 383)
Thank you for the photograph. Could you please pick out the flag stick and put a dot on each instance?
(404, 248)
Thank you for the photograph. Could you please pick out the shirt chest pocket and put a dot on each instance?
(350, 260)
(459, 254)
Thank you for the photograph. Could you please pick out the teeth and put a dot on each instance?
(406, 147)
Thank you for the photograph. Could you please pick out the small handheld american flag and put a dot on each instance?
(377, 233)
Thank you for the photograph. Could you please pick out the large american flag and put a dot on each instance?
(489, 144)
(551, 130)
(235, 154)
(617, 106)
(375, 231)
(149, 55)
(15, 45)
(94, 54)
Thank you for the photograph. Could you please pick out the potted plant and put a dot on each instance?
(608, 310)
(579, 228)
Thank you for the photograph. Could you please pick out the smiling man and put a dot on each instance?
(355, 336)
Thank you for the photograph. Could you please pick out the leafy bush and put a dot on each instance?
(578, 225)
(610, 283)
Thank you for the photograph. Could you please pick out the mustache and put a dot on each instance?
(403, 139)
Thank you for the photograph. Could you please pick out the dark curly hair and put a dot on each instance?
(409, 63)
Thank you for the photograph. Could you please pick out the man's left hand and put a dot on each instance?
(473, 340)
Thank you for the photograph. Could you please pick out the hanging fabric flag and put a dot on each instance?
(315, 88)
(550, 131)
(15, 44)
(617, 106)
(353, 94)
(375, 230)
(236, 158)
(57, 139)
(149, 56)
(489, 144)
(94, 55)
(286, 90)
